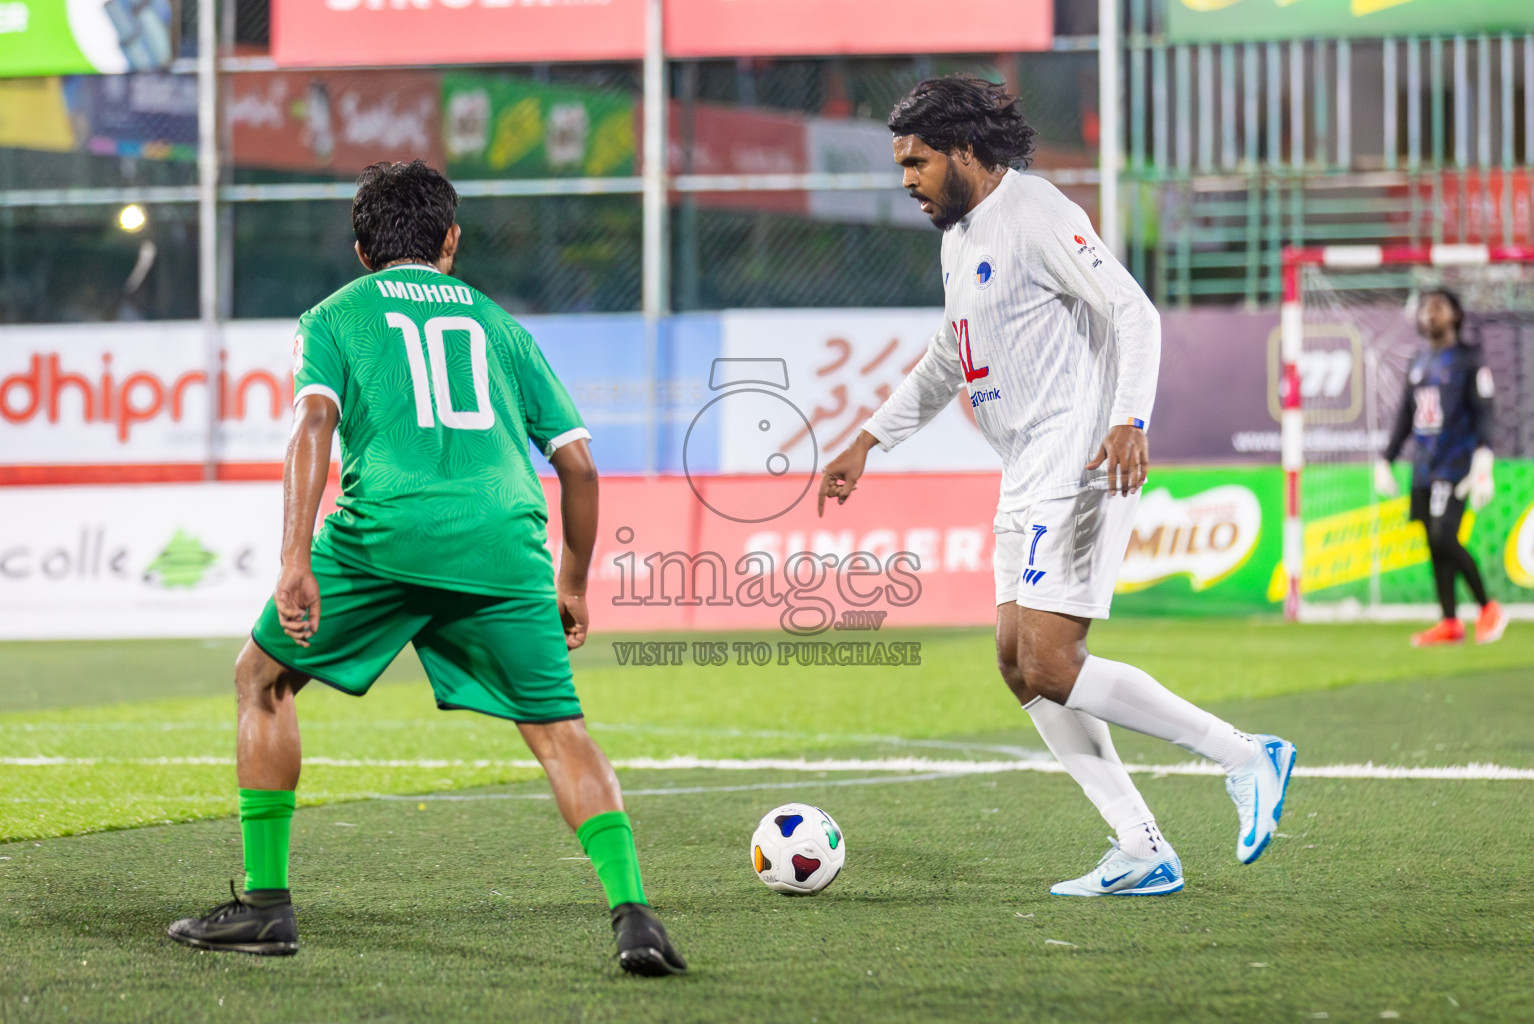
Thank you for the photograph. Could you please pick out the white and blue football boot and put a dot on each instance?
(1119, 874)
(1258, 791)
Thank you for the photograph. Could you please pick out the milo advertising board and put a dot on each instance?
(1205, 542)
(1208, 541)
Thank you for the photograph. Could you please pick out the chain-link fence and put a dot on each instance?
(548, 158)
(1233, 151)
(76, 264)
(733, 258)
(552, 254)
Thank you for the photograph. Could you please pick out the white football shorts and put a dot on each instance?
(1063, 555)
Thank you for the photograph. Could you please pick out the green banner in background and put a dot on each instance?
(1211, 21)
(1205, 542)
(501, 127)
(1352, 537)
(1209, 541)
(64, 37)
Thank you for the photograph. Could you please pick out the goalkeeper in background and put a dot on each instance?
(1446, 410)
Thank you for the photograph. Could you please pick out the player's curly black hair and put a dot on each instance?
(958, 112)
(402, 212)
(1452, 298)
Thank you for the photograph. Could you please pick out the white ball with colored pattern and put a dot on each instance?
(798, 849)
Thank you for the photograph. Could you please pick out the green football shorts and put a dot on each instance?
(503, 656)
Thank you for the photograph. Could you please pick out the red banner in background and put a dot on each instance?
(335, 121)
(750, 28)
(318, 33)
(1486, 206)
(907, 551)
(707, 138)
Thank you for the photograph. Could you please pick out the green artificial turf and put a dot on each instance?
(1381, 897)
(1204, 659)
(432, 901)
(76, 706)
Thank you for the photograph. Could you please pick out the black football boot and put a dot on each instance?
(260, 922)
(643, 947)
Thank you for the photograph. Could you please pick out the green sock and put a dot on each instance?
(608, 840)
(266, 819)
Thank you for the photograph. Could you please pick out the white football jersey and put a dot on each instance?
(1049, 335)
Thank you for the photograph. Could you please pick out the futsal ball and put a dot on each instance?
(797, 849)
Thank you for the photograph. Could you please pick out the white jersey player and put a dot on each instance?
(1056, 349)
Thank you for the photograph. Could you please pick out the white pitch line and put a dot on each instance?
(882, 780)
(1491, 772)
(663, 730)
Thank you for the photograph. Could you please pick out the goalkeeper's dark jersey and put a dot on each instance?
(1447, 412)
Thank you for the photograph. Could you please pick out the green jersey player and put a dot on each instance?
(439, 541)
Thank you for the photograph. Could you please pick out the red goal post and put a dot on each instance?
(1291, 346)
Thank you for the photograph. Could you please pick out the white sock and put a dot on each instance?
(1142, 839)
(1128, 697)
(1083, 747)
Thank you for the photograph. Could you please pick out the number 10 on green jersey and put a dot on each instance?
(440, 392)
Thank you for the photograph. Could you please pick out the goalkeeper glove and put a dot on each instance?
(1384, 479)
(1478, 483)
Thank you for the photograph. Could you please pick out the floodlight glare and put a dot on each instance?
(132, 218)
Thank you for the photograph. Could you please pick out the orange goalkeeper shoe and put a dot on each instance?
(1449, 631)
(1490, 624)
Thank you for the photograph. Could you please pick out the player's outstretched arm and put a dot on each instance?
(578, 514)
(303, 485)
(840, 477)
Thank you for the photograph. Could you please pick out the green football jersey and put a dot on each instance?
(440, 391)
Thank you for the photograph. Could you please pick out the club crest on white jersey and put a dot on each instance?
(985, 272)
(1051, 354)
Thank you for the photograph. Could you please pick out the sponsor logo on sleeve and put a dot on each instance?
(1083, 248)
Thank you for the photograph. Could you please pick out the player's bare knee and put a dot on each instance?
(1050, 673)
(250, 669)
(564, 741)
(1016, 680)
(258, 677)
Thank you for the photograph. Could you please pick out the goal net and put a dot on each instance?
(1348, 336)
